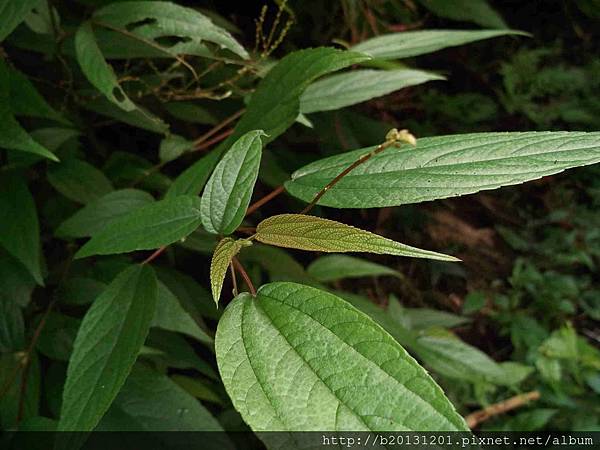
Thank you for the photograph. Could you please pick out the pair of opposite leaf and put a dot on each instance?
(227, 196)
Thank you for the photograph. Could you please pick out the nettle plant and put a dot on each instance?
(291, 354)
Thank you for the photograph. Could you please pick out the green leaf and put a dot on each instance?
(80, 291)
(139, 117)
(421, 42)
(93, 217)
(198, 388)
(323, 235)
(349, 372)
(224, 253)
(98, 72)
(357, 86)
(19, 226)
(150, 401)
(12, 13)
(173, 146)
(476, 11)
(444, 166)
(25, 100)
(336, 267)
(155, 21)
(171, 316)
(229, 189)
(146, 228)
(17, 283)
(12, 135)
(12, 328)
(273, 107)
(79, 181)
(57, 336)
(107, 344)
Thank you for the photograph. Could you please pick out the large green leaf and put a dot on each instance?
(79, 181)
(413, 43)
(99, 73)
(273, 107)
(323, 235)
(350, 88)
(444, 166)
(154, 21)
(476, 11)
(221, 259)
(19, 226)
(297, 342)
(93, 217)
(148, 227)
(335, 267)
(107, 344)
(12, 13)
(229, 189)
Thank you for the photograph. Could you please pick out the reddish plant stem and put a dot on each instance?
(219, 127)
(238, 266)
(496, 409)
(234, 280)
(217, 138)
(267, 198)
(154, 255)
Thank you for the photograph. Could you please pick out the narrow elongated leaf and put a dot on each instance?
(475, 11)
(79, 181)
(294, 341)
(229, 189)
(150, 401)
(93, 217)
(421, 42)
(152, 21)
(224, 253)
(336, 267)
(350, 88)
(273, 107)
(19, 226)
(12, 13)
(444, 166)
(171, 316)
(107, 344)
(99, 73)
(151, 226)
(323, 235)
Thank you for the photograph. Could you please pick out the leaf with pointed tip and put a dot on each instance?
(79, 181)
(93, 217)
(146, 228)
(229, 189)
(12, 135)
(336, 267)
(226, 249)
(421, 42)
(294, 341)
(107, 344)
(19, 227)
(12, 13)
(323, 235)
(98, 72)
(444, 166)
(273, 107)
(171, 316)
(357, 86)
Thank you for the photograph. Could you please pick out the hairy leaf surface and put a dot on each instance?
(297, 342)
(323, 235)
(444, 166)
